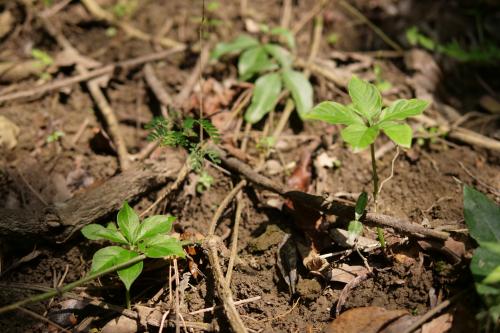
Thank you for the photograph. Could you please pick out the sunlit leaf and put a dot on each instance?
(253, 61)
(402, 109)
(130, 274)
(153, 225)
(280, 54)
(161, 246)
(333, 113)
(98, 232)
(128, 222)
(241, 43)
(265, 95)
(301, 90)
(359, 136)
(401, 134)
(365, 97)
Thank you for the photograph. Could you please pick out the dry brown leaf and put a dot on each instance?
(370, 319)
(346, 273)
(121, 324)
(8, 133)
(441, 324)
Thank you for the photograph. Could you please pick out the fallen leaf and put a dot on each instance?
(440, 324)
(121, 324)
(370, 319)
(8, 133)
(346, 273)
(341, 236)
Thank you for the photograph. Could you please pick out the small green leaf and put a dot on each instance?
(334, 113)
(241, 43)
(359, 136)
(153, 225)
(401, 134)
(128, 222)
(482, 216)
(359, 209)
(484, 261)
(301, 89)
(130, 274)
(161, 246)
(253, 61)
(98, 232)
(105, 258)
(280, 54)
(265, 96)
(365, 97)
(403, 108)
(286, 34)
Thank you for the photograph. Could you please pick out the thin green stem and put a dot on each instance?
(380, 232)
(70, 286)
(127, 298)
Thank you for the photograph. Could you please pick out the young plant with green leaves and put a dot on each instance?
(134, 238)
(189, 135)
(271, 64)
(365, 118)
(355, 227)
(482, 217)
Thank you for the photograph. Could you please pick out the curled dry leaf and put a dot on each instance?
(346, 273)
(121, 324)
(341, 236)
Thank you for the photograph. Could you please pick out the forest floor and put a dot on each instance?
(63, 146)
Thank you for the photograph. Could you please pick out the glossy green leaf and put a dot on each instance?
(286, 34)
(359, 136)
(153, 225)
(301, 90)
(241, 43)
(128, 222)
(130, 274)
(98, 232)
(252, 61)
(365, 97)
(161, 246)
(359, 209)
(333, 113)
(283, 57)
(105, 258)
(482, 216)
(265, 95)
(401, 134)
(402, 109)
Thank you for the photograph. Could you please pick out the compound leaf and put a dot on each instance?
(98, 232)
(333, 113)
(365, 97)
(161, 246)
(265, 96)
(401, 134)
(301, 89)
(128, 222)
(402, 109)
(359, 136)
(154, 225)
(241, 43)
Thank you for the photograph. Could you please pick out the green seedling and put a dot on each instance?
(332, 38)
(125, 8)
(487, 52)
(355, 227)
(55, 136)
(271, 65)
(134, 238)
(482, 217)
(204, 182)
(365, 119)
(187, 137)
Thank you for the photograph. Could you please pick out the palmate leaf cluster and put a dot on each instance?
(187, 137)
(148, 237)
(365, 117)
(272, 65)
(482, 217)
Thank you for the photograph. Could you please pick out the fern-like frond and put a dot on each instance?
(211, 130)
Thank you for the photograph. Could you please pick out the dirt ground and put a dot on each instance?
(426, 188)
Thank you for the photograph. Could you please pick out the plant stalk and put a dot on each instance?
(375, 179)
(70, 286)
(127, 298)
